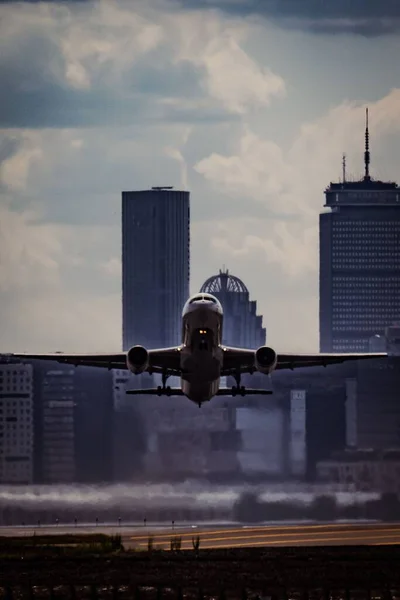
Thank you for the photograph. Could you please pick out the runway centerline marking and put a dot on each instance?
(277, 538)
(266, 528)
(271, 543)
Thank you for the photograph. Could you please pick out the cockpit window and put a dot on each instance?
(203, 297)
(196, 299)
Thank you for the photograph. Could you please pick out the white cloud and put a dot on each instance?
(290, 245)
(109, 39)
(95, 38)
(48, 301)
(259, 170)
(176, 153)
(14, 171)
(77, 175)
(100, 47)
(112, 267)
(61, 321)
(29, 253)
(233, 77)
(77, 143)
(237, 81)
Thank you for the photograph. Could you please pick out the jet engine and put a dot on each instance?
(265, 360)
(137, 359)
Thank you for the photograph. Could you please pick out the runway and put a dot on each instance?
(278, 536)
(232, 536)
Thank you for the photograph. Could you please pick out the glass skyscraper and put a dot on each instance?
(359, 261)
(155, 265)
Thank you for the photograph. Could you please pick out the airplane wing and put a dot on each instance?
(110, 361)
(235, 359)
(160, 359)
(294, 361)
(243, 360)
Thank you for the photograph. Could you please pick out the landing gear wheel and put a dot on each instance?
(164, 391)
(237, 376)
(164, 377)
(238, 391)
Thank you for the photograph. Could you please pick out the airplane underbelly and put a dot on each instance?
(200, 375)
(200, 391)
(200, 367)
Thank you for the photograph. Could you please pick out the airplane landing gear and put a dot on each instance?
(237, 377)
(238, 390)
(164, 390)
(164, 377)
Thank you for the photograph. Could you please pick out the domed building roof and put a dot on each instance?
(242, 327)
(223, 282)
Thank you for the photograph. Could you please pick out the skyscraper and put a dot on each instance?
(73, 420)
(243, 328)
(93, 425)
(359, 261)
(55, 431)
(155, 265)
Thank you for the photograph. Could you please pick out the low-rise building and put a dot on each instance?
(16, 423)
(365, 470)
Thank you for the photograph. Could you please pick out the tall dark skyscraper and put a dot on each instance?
(155, 265)
(359, 261)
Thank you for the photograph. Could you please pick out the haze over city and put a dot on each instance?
(249, 111)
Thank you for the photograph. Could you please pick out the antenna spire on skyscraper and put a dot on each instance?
(366, 153)
(344, 167)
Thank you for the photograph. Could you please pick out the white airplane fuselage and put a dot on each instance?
(201, 356)
(201, 352)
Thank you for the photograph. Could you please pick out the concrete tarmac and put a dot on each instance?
(231, 536)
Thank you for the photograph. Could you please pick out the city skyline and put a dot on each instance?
(247, 113)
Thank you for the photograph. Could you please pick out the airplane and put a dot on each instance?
(201, 359)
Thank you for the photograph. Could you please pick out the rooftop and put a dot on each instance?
(365, 191)
(363, 184)
(223, 282)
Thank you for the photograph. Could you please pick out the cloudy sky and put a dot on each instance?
(247, 104)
